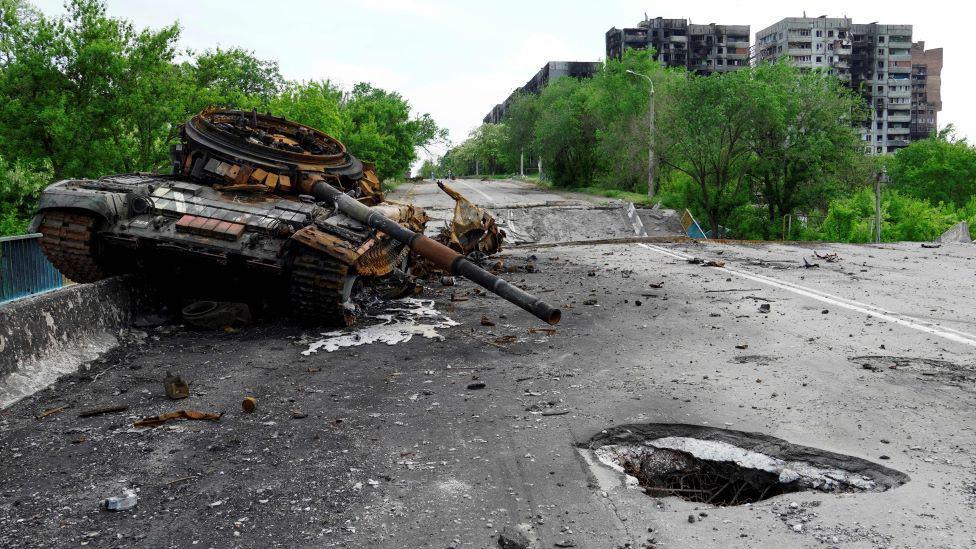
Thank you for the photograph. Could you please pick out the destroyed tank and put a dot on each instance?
(255, 200)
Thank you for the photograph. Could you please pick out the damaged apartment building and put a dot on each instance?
(704, 49)
(898, 79)
(548, 73)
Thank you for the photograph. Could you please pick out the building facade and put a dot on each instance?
(872, 58)
(704, 49)
(548, 73)
(926, 90)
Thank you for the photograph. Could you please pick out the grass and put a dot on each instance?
(636, 198)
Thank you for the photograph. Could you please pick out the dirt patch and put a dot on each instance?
(723, 467)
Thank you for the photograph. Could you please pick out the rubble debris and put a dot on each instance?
(513, 538)
(742, 346)
(298, 414)
(828, 257)
(656, 284)
(249, 404)
(50, 411)
(706, 262)
(485, 321)
(126, 501)
(175, 387)
(447, 281)
(478, 385)
(547, 331)
(930, 245)
(764, 308)
(216, 315)
(102, 410)
(808, 265)
(471, 229)
(155, 421)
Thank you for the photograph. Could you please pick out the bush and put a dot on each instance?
(20, 186)
(904, 218)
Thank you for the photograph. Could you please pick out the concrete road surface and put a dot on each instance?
(449, 442)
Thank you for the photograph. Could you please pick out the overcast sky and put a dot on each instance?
(457, 59)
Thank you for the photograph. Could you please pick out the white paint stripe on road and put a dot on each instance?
(917, 324)
(477, 190)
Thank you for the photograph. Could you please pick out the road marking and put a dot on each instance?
(479, 191)
(877, 312)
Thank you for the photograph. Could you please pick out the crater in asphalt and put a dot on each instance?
(724, 467)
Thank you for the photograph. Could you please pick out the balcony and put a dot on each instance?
(898, 131)
(899, 117)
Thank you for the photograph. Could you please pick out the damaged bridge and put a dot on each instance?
(694, 394)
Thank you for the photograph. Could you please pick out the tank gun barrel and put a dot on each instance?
(442, 256)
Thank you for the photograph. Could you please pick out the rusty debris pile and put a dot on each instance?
(271, 207)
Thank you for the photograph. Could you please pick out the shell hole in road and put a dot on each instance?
(723, 467)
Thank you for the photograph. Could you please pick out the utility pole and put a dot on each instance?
(522, 163)
(881, 177)
(651, 160)
(540, 168)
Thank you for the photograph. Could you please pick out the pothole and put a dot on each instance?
(723, 467)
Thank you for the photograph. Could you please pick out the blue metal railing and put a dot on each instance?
(24, 270)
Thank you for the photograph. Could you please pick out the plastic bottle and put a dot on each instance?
(124, 502)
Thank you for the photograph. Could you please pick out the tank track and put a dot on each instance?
(321, 290)
(68, 242)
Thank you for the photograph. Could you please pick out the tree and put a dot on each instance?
(236, 78)
(703, 129)
(76, 89)
(378, 127)
(315, 103)
(520, 118)
(939, 169)
(565, 133)
(802, 137)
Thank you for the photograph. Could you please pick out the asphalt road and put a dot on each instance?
(397, 451)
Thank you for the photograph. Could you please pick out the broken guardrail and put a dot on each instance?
(24, 270)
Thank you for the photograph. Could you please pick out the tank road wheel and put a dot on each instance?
(68, 242)
(322, 290)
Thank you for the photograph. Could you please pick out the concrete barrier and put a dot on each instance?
(957, 233)
(49, 335)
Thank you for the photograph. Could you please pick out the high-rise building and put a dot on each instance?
(701, 48)
(872, 58)
(549, 72)
(926, 90)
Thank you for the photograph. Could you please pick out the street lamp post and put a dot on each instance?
(651, 161)
(881, 178)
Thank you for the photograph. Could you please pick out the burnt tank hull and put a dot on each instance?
(190, 233)
(255, 196)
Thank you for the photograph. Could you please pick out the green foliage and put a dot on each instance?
(315, 103)
(20, 186)
(80, 90)
(904, 218)
(236, 78)
(939, 169)
(86, 94)
(803, 138)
